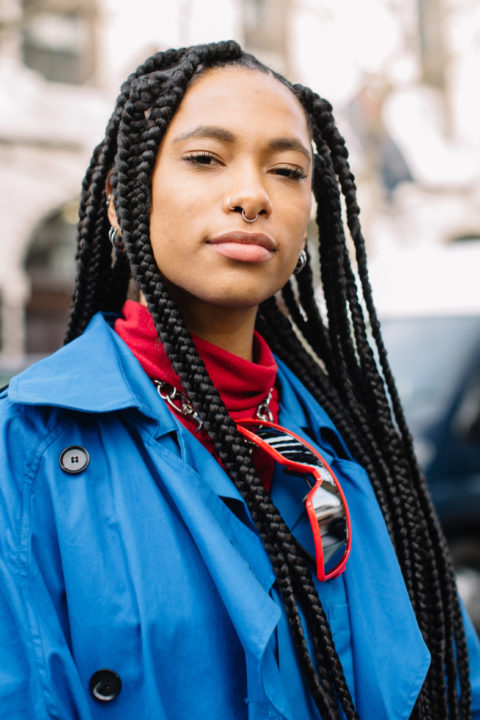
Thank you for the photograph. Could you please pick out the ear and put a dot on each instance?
(111, 214)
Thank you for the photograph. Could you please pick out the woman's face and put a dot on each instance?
(239, 140)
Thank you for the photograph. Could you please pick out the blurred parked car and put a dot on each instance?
(429, 304)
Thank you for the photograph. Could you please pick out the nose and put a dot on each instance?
(247, 193)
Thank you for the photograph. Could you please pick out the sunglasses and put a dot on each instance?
(325, 502)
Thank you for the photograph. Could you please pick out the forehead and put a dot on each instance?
(240, 97)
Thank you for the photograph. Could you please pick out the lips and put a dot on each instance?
(244, 246)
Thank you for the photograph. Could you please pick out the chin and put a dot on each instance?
(244, 301)
(230, 294)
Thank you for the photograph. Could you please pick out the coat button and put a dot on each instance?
(74, 459)
(105, 685)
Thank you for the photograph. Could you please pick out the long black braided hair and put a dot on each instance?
(340, 358)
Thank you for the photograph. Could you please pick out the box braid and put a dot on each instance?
(333, 358)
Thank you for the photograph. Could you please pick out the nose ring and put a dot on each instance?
(249, 220)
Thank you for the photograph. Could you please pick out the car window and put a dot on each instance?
(428, 356)
(467, 418)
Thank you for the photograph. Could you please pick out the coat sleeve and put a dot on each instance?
(16, 680)
(473, 644)
(33, 683)
(20, 687)
(38, 678)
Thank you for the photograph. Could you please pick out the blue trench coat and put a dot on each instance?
(146, 562)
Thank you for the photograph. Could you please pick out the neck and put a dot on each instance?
(235, 336)
(231, 329)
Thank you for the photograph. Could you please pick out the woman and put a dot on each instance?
(163, 555)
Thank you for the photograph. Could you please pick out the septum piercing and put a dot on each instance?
(248, 220)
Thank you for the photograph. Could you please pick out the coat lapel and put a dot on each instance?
(384, 630)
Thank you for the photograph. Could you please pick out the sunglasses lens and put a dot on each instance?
(330, 516)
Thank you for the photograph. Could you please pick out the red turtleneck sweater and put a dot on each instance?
(242, 385)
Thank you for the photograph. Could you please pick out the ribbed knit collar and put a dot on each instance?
(242, 385)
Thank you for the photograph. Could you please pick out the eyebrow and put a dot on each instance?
(223, 135)
(210, 131)
(289, 144)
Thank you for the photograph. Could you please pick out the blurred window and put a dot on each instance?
(467, 237)
(58, 39)
(265, 26)
(50, 264)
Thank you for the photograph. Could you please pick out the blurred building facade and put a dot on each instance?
(61, 63)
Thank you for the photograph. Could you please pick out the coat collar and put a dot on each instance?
(95, 373)
(98, 373)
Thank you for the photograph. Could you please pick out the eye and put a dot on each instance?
(201, 158)
(292, 173)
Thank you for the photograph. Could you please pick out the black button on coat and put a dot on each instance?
(105, 685)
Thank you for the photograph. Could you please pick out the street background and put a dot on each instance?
(402, 76)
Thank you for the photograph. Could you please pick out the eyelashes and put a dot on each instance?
(291, 173)
(202, 158)
(206, 159)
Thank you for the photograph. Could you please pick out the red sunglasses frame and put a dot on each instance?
(242, 426)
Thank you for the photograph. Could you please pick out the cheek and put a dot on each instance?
(308, 208)
(299, 210)
(297, 226)
(173, 208)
